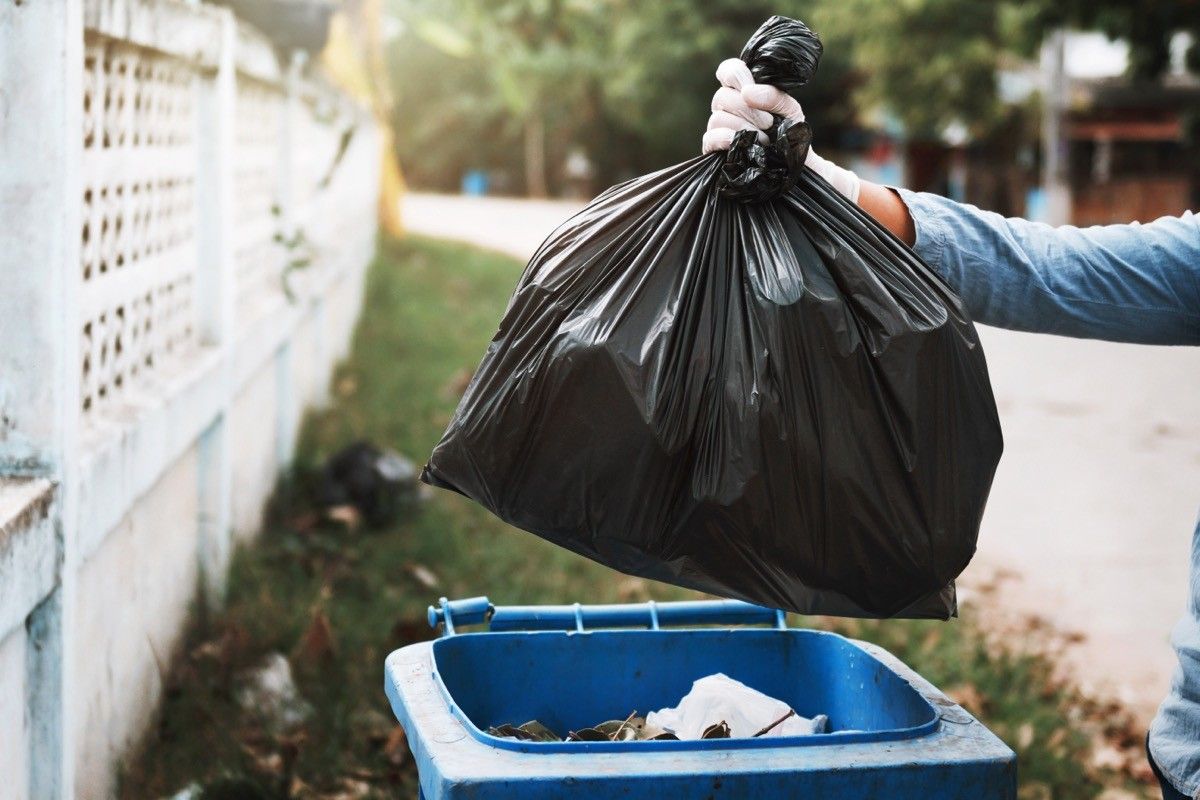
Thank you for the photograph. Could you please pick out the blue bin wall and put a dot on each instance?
(573, 680)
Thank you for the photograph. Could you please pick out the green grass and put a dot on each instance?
(430, 309)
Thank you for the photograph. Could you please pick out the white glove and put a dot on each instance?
(742, 104)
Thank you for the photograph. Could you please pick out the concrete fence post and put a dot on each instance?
(217, 294)
(291, 136)
(41, 125)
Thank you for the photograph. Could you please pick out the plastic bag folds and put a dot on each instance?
(773, 400)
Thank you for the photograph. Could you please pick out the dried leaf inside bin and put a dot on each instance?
(510, 731)
(540, 732)
(531, 731)
(587, 735)
(718, 730)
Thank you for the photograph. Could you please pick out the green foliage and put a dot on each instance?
(447, 120)
(628, 82)
(930, 62)
(482, 83)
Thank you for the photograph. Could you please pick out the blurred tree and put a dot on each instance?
(628, 82)
(1148, 26)
(543, 59)
(510, 86)
(446, 116)
(660, 81)
(932, 63)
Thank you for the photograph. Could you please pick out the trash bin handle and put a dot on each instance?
(576, 617)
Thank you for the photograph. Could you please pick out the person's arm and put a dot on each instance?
(1126, 283)
(1131, 283)
(888, 210)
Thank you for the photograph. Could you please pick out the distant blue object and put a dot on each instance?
(475, 183)
(1035, 204)
(892, 734)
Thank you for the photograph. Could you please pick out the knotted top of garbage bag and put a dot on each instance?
(784, 53)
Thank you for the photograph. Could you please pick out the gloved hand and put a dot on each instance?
(742, 104)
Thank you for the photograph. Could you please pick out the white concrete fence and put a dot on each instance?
(185, 221)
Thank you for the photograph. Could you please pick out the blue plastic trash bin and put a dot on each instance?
(893, 735)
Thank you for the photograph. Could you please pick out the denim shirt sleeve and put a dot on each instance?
(1125, 283)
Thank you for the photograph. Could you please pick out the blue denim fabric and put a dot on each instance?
(1124, 283)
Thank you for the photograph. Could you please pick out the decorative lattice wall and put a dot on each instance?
(258, 153)
(292, 175)
(161, 165)
(138, 220)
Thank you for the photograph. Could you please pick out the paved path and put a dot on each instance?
(1096, 495)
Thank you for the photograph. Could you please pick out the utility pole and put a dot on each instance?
(1054, 143)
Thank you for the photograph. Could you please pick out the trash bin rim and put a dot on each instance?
(649, 746)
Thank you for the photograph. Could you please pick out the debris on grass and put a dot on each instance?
(395, 747)
(193, 791)
(969, 697)
(423, 575)
(376, 482)
(318, 645)
(347, 516)
(457, 384)
(268, 692)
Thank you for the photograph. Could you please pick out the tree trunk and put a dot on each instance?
(535, 157)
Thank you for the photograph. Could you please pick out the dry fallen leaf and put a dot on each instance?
(318, 643)
(407, 630)
(348, 516)
(299, 790)
(1025, 736)
(931, 640)
(1035, 790)
(1116, 794)
(364, 774)
(968, 696)
(1139, 769)
(303, 522)
(226, 648)
(372, 725)
(457, 384)
(351, 789)
(265, 762)
(1106, 757)
(422, 575)
(395, 749)
(630, 589)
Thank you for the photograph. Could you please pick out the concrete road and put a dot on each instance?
(1096, 496)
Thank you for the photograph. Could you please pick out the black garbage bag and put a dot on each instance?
(726, 376)
(378, 482)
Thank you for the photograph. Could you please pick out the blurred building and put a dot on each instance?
(1124, 150)
(1129, 154)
